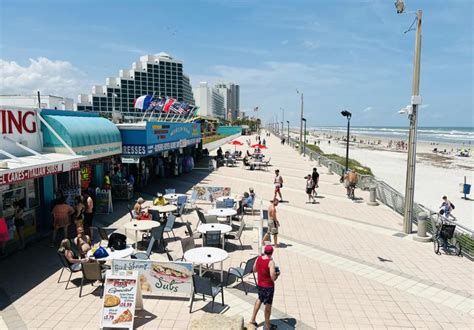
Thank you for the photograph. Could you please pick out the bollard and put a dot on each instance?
(373, 197)
(311, 156)
(330, 169)
(319, 160)
(421, 236)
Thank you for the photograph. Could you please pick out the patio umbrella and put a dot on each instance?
(258, 146)
(235, 143)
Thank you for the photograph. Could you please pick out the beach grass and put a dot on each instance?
(364, 170)
(212, 138)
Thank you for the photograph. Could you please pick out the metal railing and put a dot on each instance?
(392, 198)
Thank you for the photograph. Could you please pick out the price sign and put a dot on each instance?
(120, 293)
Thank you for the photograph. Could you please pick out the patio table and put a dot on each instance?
(224, 229)
(173, 197)
(116, 254)
(140, 225)
(207, 256)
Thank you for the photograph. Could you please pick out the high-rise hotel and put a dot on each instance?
(158, 74)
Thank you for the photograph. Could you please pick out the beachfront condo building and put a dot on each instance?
(159, 75)
(209, 101)
(231, 94)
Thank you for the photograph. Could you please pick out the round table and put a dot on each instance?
(206, 256)
(227, 213)
(224, 229)
(236, 198)
(140, 225)
(164, 208)
(117, 254)
(173, 197)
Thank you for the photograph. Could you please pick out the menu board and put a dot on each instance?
(158, 277)
(205, 193)
(120, 293)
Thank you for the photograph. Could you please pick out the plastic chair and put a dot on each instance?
(169, 225)
(179, 212)
(157, 234)
(206, 218)
(189, 231)
(213, 238)
(145, 255)
(155, 215)
(91, 271)
(170, 191)
(204, 286)
(181, 200)
(192, 201)
(131, 212)
(187, 244)
(240, 272)
(220, 205)
(72, 268)
(229, 203)
(236, 235)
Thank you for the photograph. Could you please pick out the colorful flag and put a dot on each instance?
(168, 104)
(143, 102)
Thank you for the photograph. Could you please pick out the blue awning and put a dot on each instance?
(90, 136)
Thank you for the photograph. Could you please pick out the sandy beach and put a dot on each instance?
(437, 174)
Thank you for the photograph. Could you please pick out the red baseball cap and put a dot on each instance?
(268, 249)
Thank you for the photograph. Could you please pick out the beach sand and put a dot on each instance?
(436, 174)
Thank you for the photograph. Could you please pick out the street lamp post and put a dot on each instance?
(304, 137)
(347, 114)
(288, 122)
(301, 121)
(415, 102)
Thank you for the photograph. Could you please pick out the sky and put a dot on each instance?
(341, 54)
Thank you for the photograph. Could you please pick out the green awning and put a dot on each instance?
(89, 136)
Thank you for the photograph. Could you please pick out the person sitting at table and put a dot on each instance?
(139, 212)
(246, 161)
(82, 241)
(248, 154)
(72, 257)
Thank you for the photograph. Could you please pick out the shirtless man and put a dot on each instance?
(352, 178)
(273, 223)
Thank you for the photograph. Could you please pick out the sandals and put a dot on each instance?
(254, 324)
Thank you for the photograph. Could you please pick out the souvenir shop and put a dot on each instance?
(158, 149)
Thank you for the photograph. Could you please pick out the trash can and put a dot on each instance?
(465, 188)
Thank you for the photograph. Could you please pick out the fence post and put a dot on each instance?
(311, 156)
(330, 169)
(319, 161)
(373, 196)
(421, 236)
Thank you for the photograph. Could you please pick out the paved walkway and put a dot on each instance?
(344, 265)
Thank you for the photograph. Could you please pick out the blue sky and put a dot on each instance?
(342, 54)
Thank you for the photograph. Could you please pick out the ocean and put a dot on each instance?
(455, 135)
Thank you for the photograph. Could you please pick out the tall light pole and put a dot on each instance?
(304, 137)
(288, 122)
(282, 121)
(347, 114)
(301, 121)
(415, 102)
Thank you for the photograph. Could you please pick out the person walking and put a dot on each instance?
(352, 179)
(267, 274)
(62, 219)
(446, 208)
(278, 182)
(273, 223)
(315, 177)
(309, 188)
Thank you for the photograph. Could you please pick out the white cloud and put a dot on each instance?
(423, 106)
(367, 109)
(310, 44)
(42, 74)
(124, 48)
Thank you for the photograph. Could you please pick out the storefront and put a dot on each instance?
(87, 134)
(158, 149)
(26, 168)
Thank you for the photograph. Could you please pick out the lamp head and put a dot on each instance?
(303, 119)
(288, 121)
(400, 5)
(346, 113)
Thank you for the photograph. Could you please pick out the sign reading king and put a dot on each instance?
(22, 126)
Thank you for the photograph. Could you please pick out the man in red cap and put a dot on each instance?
(267, 274)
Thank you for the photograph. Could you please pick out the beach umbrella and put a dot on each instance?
(235, 143)
(258, 146)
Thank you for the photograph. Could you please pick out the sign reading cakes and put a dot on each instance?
(120, 293)
(156, 277)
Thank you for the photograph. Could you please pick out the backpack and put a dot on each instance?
(117, 241)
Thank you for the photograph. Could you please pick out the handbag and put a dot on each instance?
(101, 252)
(117, 241)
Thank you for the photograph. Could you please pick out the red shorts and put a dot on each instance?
(277, 188)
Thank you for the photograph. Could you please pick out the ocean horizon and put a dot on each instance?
(458, 135)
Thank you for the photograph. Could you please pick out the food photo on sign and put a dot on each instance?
(157, 277)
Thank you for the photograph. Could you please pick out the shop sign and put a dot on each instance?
(28, 174)
(134, 150)
(156, 277)
(120, 294)
(130, 160)
(86, 176)
(142, 150)
(20, 125)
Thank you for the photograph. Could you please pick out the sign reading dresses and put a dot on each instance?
(34, 173)
(156, 137)
(156, 277)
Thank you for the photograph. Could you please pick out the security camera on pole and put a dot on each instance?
(301, 123)
(412, 115)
